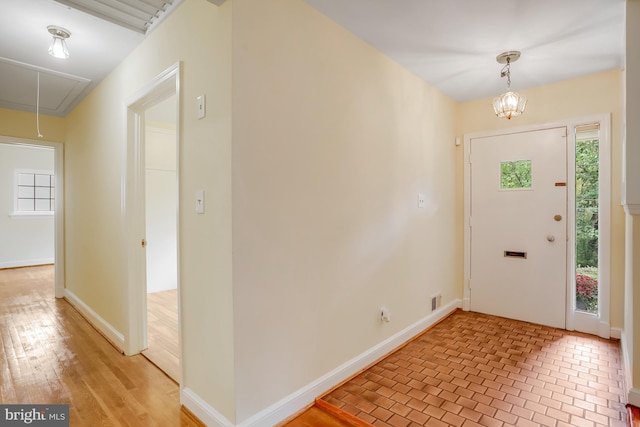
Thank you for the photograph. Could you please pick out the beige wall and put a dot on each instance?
(585, 96)
(23, 125)
(332, 142)
(198, 34)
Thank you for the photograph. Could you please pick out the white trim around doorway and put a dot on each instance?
(162, 86)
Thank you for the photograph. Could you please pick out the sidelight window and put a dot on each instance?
(587, 218)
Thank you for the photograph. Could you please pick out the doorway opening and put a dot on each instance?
(518, 242)
(152, 217)
(34, 152)
(160, 205)
(588, 220)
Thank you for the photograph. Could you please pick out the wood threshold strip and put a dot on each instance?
(191, 416)
(633, 415)
(339, 413)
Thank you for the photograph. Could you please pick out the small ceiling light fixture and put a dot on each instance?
(509, 104)
(58, 47)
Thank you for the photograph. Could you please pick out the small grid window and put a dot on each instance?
(35, 192)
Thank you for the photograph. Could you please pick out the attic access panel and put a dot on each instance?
(18, 88)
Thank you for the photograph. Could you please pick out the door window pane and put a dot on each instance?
(515, 174)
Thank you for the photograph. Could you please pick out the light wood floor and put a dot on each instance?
(50, 354)
(162, 332)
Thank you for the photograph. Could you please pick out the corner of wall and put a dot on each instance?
(102, 326)
(201, 409)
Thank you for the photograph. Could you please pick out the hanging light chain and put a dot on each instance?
(506, 71)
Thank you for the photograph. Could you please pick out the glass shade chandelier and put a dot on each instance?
(58, 47)
(509, 104)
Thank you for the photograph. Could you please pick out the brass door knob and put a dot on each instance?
(558, 217)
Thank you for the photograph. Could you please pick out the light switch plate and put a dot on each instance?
(200, 201)
(201, 106)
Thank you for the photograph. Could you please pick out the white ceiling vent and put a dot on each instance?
(137, 15)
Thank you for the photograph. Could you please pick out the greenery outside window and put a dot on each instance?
(587, 216)
(515, 174)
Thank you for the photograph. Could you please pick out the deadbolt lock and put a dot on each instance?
(558, 217)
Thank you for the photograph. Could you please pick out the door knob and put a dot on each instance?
(551, 238)
(558, 217)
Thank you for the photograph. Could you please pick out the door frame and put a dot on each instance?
(158, 89)
(58, 170)
(597, 325)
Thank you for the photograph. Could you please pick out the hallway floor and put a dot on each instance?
(50, 354)
(162, 332)
(479, 370)
(469, 370)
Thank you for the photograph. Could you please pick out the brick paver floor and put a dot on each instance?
(478, 370)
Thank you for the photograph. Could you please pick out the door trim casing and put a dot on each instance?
(597, 325)
(162, 86)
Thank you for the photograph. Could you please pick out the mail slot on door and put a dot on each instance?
(515, 254)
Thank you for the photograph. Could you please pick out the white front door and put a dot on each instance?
(518, 265)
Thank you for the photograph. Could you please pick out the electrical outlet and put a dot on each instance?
(421, 200)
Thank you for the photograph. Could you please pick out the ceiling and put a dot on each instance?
(103, 33)
(452, 44)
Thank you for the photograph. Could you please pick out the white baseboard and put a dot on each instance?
(26, 262)
(466, 304)
(634, 397)
(303, 397)
(300, 399)
(604, 330)
(201, 409)
(111, 333)
(616, 333)
(627, 368)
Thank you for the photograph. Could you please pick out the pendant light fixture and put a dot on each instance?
(509, 104)
(58, 47)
